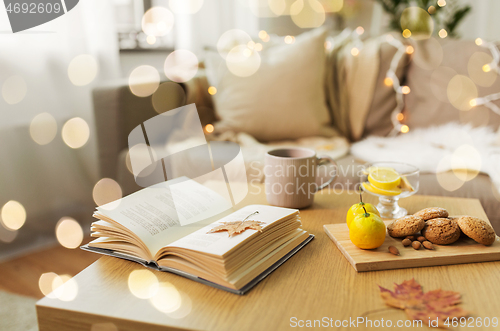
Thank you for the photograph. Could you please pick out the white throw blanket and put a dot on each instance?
(438, 149)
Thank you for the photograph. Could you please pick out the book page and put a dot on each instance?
(167, 211)
(220, 243)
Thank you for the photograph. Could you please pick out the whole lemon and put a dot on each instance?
(357, 209)
(367, 231)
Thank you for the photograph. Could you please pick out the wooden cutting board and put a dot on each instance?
(465, 250)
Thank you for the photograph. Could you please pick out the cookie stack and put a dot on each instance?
(438, 228)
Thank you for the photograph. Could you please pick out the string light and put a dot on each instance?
(406, 33)
(409, 49)
(441, 3)
(360, 30)
(212, 90)
(487, 100)
(443, 33)
(405, 129)
(354, 51)
(405, 89)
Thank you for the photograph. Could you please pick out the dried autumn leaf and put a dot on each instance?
(429, 306)
(234, 228)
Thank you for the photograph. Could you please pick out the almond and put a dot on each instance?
(428, 244)
(421, 239)
(393, 250)
(406, 242)
(412, 238)
(416, 245)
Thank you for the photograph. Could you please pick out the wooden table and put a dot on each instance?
(316, 283)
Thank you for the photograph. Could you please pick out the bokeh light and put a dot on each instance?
(447, 179)
(431, 10)
(400, 117)
(45, 284)
(65, 288)
(157, 21)
(409, 49)
(212, 90)
(167, 299)
(439, 82)
(14, 89)
(69, 232)
(209, 128)
(388, 81)
(181, 65)
(43, 128)
(405, 89)
(479, 69)
(233, 38)
(140, 160)
(151, 40)
(75, 132)
(461, 90)
(278, 7)
(441, 3)
(466, 162)
(185, 6)
(162, 98)
(83, 69)
(443, 33)
(105, 191)
(405, 129)
(258, 47)
(7, 236)
(429, 54)
(242, 61)
(360, 30)
(406, 33)
(185, 308)
(328, 45)
(289, 39)
(61, 287)
(418, 22)
(478, 41)
(332, 6)
(354, 51)
(13, 215)
(307, 14)
(143, 284)
(144, 80)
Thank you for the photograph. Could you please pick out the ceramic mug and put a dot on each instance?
(291, 176)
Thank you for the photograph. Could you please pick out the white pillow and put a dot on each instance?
(283, 99)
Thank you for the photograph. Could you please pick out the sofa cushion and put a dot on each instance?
(434, 65)
(283, 99)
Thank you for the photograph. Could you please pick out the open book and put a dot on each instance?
(170, 227)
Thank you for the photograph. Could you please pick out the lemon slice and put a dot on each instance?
(384, 178)
(395, 191)
(405, 184)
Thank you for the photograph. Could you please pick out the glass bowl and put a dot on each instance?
(391, 191)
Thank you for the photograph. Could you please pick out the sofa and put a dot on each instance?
(117, 111)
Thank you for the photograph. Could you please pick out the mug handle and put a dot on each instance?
(321, 159)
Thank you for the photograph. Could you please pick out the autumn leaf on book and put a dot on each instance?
(428, 306)
(234, 228)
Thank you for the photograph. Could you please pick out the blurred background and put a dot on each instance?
(51, 177)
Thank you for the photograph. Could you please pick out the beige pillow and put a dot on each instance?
(283, 99)
(434, 64)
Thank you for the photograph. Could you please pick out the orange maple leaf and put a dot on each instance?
(427, 307)
(238, 227)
